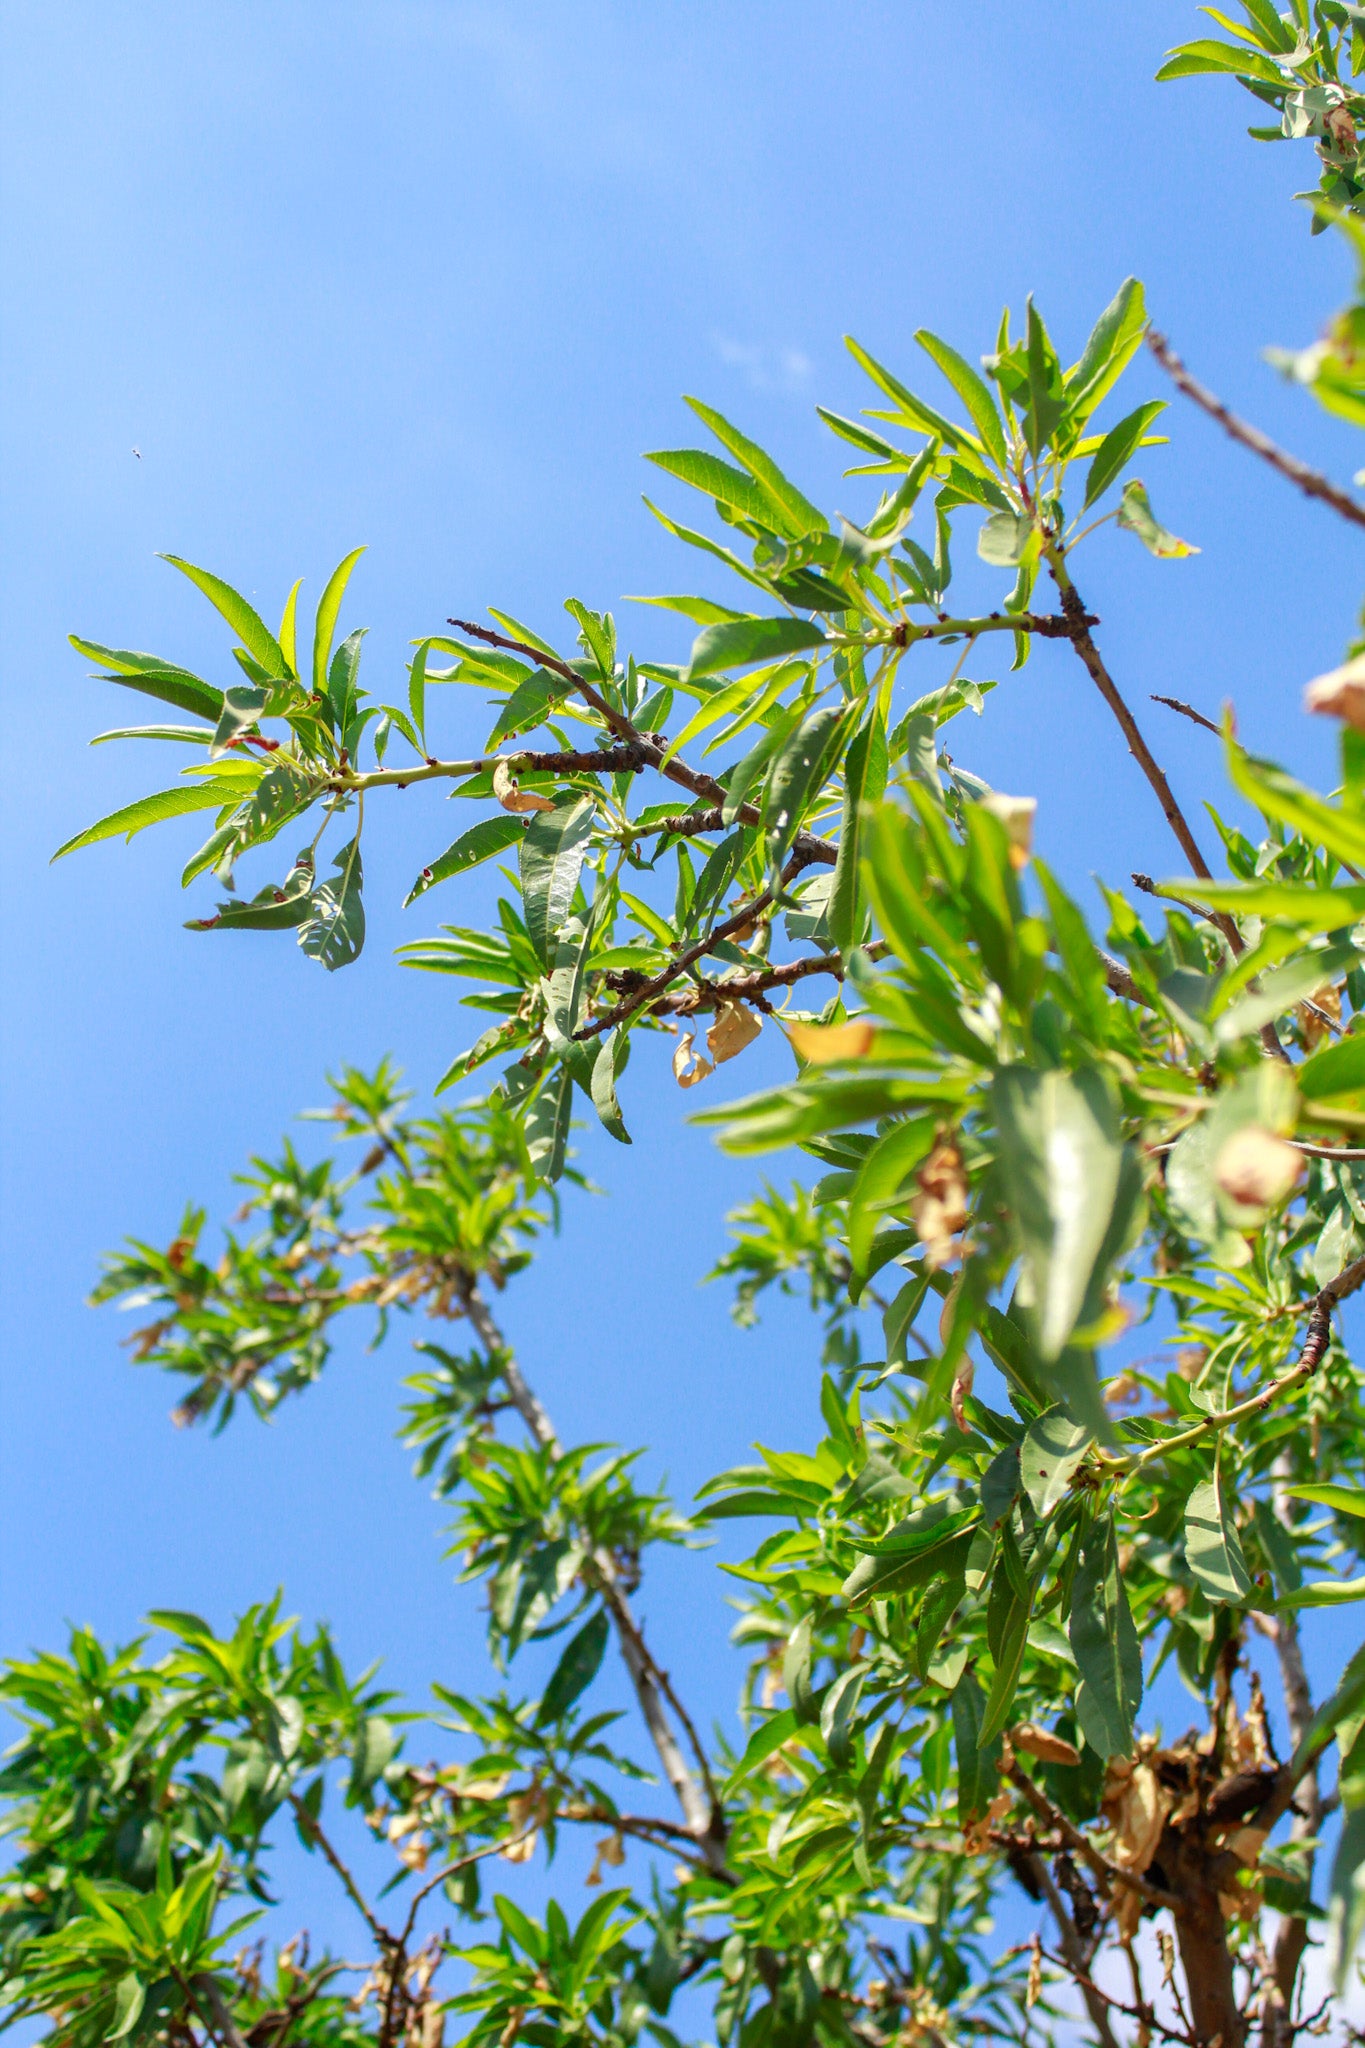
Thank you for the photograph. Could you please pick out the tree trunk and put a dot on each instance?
(1207, 1961)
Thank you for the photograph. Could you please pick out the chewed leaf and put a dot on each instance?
(1136, 514)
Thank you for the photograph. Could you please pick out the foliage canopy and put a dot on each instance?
(1029, 1137)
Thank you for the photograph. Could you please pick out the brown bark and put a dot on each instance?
(1205, 1957)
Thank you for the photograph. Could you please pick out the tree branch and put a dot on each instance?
(1074, 1956)
(1107, 1872)
(700, 1804)
(690, 779)
(1310, 481)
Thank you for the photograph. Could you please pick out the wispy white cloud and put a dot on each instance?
(763, 368)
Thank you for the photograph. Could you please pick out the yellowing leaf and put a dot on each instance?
(510, 793)
(1136, 514)
(689, 1068)
(735, 1027)
(822, 1044)
(1016, 814)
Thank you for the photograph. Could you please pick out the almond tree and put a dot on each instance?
(1030, 1135)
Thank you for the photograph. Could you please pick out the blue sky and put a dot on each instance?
(430, 275)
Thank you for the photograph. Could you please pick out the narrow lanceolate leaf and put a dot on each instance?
(865, 772)
(334, 930)
(978, 1762)
(547, 1125)
(329, 610)
(1213, 1549)
(155, 678)
(739, 643)
(479, 843)
(1347, 1500)
(1345, 1704)
(552, 852)
(151, 810)
(1346, 1900)
(289, 630)
(1053, 1448)
(794, 512)
(1118, 447)
(1137, 515)
(1105, 1645)
(257, 638)
(972, 389)
(796, 1668)
(1114, 341)
(578, 1665)
(605, 1068)
(1061, 1159)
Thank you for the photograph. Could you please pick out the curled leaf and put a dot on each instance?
(1136, 514)
(735, 1026)
(1340, 693)
(939, 1206)
(689, 1067)
(1042, 1743)
(1016, 814)
(510, 793)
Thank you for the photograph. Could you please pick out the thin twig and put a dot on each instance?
(1145, 2017)
(317, 1835)
(1073, 1950)
(1310, 481)
(690, 779)
(1108, 1873)
(1188, 711)
(655, 986)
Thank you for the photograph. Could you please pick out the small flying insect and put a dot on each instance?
(138, 453)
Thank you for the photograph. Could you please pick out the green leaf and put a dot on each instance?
(1346, 1899)
(547, 1124)
(767, 1738)
(1136, 514)
(529, 704)
(272, 909)
(1061, 1160)
(865, 772)
(836, 1714)
(1213, 1549)
(796, 1667)
(1193, 59)
(605, 1068)
(1105, 1645)
(730, 487)
(329, 610)
(921, 1546)
(552, 853)
(795, 513)
(1346, 1702)
(1003, 539)
(936, 1611)
(799, 773)
(130, 1995)
(1118, 447)
(1333, 1070)
(259, 642)
(738, 643)
(479, 843)
(289, 630)
(154, 678)
(1114, 341)
(334, 930)
(1346, 1500)
(579, 1663)
(974, 393)
(1053, 1447)
(978, 1762)
(880, 1177)
(151, 810)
